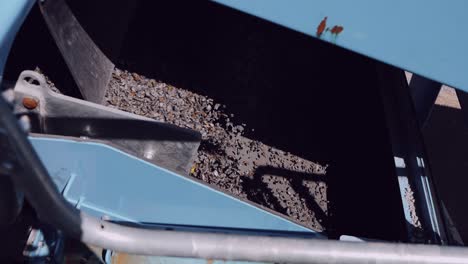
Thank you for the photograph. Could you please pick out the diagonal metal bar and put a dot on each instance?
(90, 68)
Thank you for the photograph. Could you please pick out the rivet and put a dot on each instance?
(30, 103)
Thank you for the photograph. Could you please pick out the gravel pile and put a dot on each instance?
(226, 159)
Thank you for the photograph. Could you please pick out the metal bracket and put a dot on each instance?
(165, 145)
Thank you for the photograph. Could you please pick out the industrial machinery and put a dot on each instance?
(80, 180)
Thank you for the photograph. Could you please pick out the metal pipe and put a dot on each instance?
(259, 248)
(50, 205)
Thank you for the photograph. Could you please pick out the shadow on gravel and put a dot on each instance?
(259, 192)
(117, 128)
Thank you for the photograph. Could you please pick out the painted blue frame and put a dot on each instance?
(12, 15)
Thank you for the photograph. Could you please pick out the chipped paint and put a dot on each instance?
(321, 27)
(334, 31)
(121, 258)
(30, 103)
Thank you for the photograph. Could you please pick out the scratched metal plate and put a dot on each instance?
(90, 68)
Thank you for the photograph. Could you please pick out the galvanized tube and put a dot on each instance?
(259, 248)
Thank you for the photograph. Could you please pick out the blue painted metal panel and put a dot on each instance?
(105, 181)
(12, 15)
(428, 37)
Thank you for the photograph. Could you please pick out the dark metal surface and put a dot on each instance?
(165, 145)
(424, 94)
(11, 199)
(422, 212)
(90, 68)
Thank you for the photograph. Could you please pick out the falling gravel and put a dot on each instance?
(245, 168)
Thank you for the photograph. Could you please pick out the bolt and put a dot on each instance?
(30, 103)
